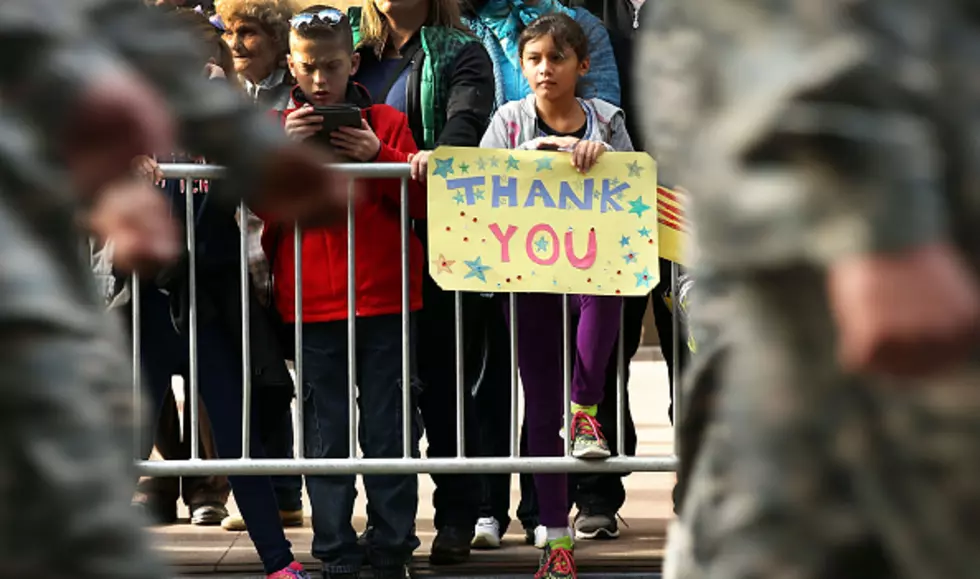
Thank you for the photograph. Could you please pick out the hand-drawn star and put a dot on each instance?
(541, 244)
(444, 168)
(464, 168)
(481, 164)
(614, 182)
(635, 169)
(494, 162)
(643, 278)
(477, 269)
(644, 232)
(478, 194)
(597, 195)
(624, 241)
(459, 199)
(619, 195)
(630, 258)
(544, 163)
(638, 207)
(443, 265)
(513, 163)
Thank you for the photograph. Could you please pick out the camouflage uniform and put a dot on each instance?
(65, 391)
(807, 131)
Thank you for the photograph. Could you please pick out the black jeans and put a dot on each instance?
(392, 499)
(457, 496)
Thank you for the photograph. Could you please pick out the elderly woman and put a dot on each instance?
(257, 31)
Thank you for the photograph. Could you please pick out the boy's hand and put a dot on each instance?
(420, 165)
(147, 168)
(909, 314)
(303, 123)
(358, 144)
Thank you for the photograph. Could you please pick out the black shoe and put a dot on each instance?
(395, 573)
(341, 575)
(451, 546)
(596, 525)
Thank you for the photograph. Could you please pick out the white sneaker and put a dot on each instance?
(540, 536)
(487, 534)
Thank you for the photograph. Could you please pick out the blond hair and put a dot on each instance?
(272, 15)
(374, 24)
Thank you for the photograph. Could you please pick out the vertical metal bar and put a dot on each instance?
(567, 353)
(192, 306)
(298, 427)
(676, 358)
(515, 419)
(460, 407)
(621, 384)
(137, 369)
(351, 326)
(407, 413)
(246, 333)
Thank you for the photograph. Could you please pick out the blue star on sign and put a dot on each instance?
(635, 169)
(544, 163)
(541, 244)
(624, 241)
(644, 232)
(643, 278)
(481, 164)
(638, 207)
(444, 167)
(477, 269)
(630, 258)
(614, 182)
(459, 199)
(494, 162)
(478, 194)
(513, 163)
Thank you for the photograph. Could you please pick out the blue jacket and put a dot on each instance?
(488, 21)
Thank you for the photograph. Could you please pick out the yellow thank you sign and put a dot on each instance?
(527, 221)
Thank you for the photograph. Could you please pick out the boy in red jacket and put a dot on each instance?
(322, 60)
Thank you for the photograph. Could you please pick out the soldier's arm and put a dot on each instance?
(804, 132)
(62, 46)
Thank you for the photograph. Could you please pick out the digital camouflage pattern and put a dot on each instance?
(66, 406)
(806, 131)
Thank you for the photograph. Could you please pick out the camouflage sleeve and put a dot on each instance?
(805, 131)
(68, 41)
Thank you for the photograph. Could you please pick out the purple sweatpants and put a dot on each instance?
(539, 354)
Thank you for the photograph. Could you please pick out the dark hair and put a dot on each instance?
(562, 29)
(308, 25)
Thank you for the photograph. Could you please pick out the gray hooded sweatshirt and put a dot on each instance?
(516, 123)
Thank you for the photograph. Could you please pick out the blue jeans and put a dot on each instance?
(165, 353)
(392, 499)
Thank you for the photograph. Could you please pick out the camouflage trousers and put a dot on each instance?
(805, 472)
(66, 431)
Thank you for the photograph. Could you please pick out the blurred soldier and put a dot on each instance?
(72, 116)
(830, 149)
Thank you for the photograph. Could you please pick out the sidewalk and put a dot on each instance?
(198, 550)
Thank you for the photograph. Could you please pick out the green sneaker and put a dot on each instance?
(588, 441)
(557, 561)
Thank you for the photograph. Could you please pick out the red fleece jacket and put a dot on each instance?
(377, 240)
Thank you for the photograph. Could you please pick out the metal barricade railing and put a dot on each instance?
(353, 464)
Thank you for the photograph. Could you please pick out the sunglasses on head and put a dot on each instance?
(328, 16)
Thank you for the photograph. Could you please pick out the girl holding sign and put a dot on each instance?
(554, 56)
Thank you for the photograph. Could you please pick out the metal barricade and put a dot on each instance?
(354, 465)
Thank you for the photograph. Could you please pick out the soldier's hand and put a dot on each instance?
(297, 186)
(135, 215)
(909, 314)
(118, 117)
